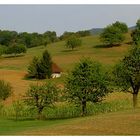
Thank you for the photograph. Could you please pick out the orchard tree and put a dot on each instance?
(86, 83)
(127, 73)
(5, 90)
(136, 34)
(39, 97)
(73, 42)
(122, 26)
(112, 36)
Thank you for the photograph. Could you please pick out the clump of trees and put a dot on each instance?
(41, 68)
(86, 83)
(114, 34)
(73, 42)
(16, 49)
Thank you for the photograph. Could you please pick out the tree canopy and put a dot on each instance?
(112, 35)
(87, 82)
(73, 42)
(127, 73)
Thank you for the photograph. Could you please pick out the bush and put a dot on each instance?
(5, 90)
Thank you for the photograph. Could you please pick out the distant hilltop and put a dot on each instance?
(96, 31)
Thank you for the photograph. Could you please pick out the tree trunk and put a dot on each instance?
(84, 111)
(135, 100)
(39, 116)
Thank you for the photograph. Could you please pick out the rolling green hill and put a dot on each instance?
(65, 58)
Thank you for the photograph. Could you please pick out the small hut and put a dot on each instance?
(56, 71)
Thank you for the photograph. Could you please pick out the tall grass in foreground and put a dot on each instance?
(18, 111)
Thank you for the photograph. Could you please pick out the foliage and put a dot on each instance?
(45, 66)
(7, 37)
(67, 35)
(5, 90)
(127, 73)
(73, 42)
(87, 82)
(136, 33)
(122, 26)
(33, 68)
(16, 49)
(112, 35)
(41, 96)
(2, 49)
(41, 68)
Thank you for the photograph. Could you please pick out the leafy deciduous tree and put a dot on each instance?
(73, 42)
(127, 73)
(112, 36)
(87, 82)
(41, 96)
(136, 34)
(122, 26)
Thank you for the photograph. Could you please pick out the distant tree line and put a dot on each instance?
(67, 35)
(8, 38)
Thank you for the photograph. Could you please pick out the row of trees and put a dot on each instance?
(8, 38)
(13, 49)
(87, 82)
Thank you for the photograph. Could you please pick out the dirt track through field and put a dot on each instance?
(17, 81)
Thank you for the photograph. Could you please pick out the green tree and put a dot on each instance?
(41, 68)
(86, 83)
(33, 68)
(73, 42)
(45, 66)
(40, 97)
(5, 90)
(127, 73)
(122, 26)
(136, 34)
(112, 36)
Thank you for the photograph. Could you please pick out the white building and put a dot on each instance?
(56, 71)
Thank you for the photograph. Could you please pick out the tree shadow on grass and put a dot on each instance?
(13, 56)
(106, 46)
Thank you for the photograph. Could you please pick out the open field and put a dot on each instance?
(118, 123)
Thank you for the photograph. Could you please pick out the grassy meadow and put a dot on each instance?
(114, 116)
